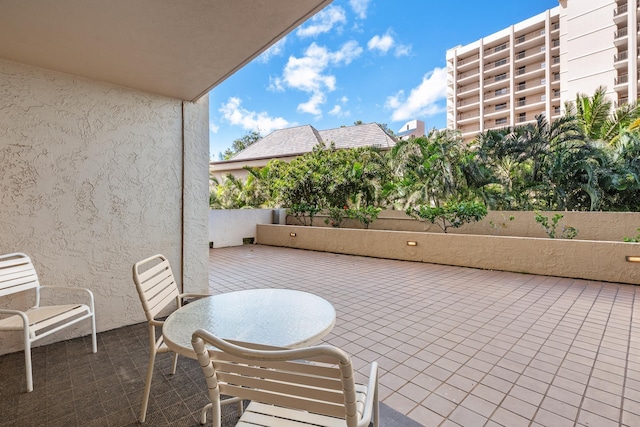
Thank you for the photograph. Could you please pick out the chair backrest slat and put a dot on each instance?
(155, 283)
(283, 390)
(301, 368)
(283, 377)
(284, 374)
(17, 274)
(288, 401)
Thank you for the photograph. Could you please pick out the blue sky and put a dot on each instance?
(371, 60)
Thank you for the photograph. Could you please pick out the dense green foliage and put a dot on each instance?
(587, 160)
(240, 144)
(449, 215)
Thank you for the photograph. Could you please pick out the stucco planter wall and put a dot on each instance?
(229, 227)
(610, 226)
(583, 259)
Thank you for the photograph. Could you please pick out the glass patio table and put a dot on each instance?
(273, 317)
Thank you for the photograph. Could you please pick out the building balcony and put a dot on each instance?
(495, 80)
(623, 79)
(468, 104)
(468, 89)
(468, 76)
(620, 37)
(495, 96)
(493, 51)
(620, 60)
(530, 39)
(467, 63)
(530, 56)
(620, 13)
(467, 118)
(533, 71)
(497, 66)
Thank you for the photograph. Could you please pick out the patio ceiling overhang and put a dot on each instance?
(181, 49)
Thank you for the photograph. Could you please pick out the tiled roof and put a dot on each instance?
(302, 139)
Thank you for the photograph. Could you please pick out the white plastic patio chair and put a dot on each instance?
(312, 386)
(158, 290)
(17, 274)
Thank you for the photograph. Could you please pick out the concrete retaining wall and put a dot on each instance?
(228, 227)
(583, 259)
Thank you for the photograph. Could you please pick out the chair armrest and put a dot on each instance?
(372, 396)
(25, 319)
(188, 295)
(180, 298)
(77, 290)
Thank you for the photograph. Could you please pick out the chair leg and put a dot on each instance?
(175, 364)
(94, 341)
(27, 360)
(147, 386)
(203, 413)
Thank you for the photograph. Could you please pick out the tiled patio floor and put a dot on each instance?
(468, 347)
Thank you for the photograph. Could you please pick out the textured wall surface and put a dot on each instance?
(91, 181)
(196, 196)
(227, 227)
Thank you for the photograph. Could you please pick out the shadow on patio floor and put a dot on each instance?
(74, 387)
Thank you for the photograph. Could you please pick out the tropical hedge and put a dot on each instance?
(586, 160)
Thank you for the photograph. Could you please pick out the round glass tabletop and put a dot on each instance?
(275, 317)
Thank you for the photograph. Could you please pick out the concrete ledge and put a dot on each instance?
(582, 259)
(609, 226)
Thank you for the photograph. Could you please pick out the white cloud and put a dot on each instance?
(250, 120)
(312, 106)
(323, 22)
(382, 43)
(213, 127)
(276, 49)
(402, 50)
(344, 99)
(359, 7)
(339, 112)
(309, 73)
(422, 100)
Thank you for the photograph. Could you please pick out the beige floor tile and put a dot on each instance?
(474, 345)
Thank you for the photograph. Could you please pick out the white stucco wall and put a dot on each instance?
(227, 227)
(91, 179)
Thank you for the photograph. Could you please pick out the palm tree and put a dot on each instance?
(597, 118)
(429, 168)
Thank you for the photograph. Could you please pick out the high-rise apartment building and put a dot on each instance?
(534, 66)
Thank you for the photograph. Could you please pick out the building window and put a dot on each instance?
(501, 91)
(542, 32)
(543, 97)
(522, 101)
(556, 109)
(543, 48)
(500, 62)
(522, 85)
(501, 77)
(522, 70)
(502, 106)
(522, 117)
(501, 47)
(556, 93)
(501, 121)
(556, 43)
(543, 65)
(543, 81)
(521, 39)
(521, 54)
